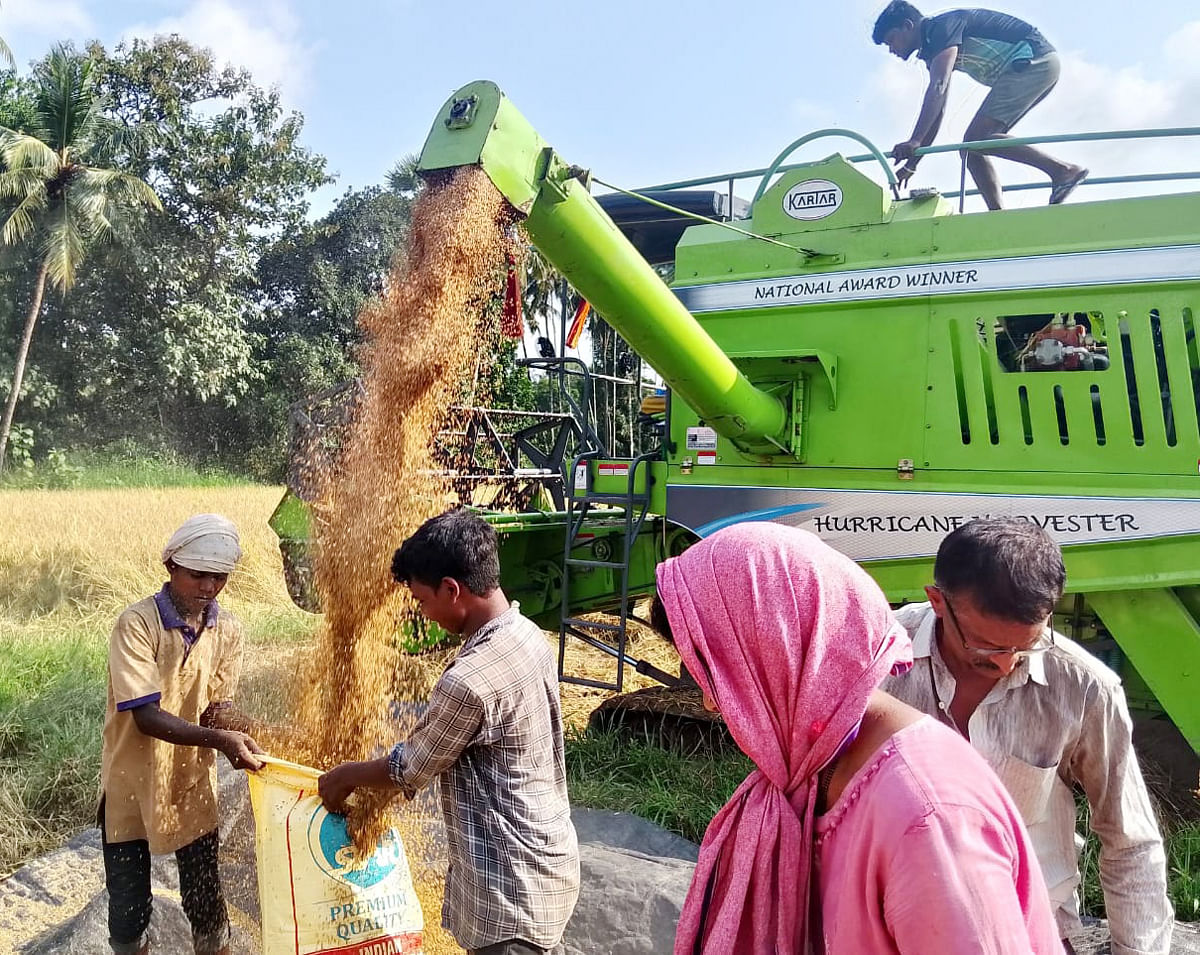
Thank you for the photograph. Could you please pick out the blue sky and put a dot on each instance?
(648, 92)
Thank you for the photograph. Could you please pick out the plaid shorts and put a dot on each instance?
(1018, 90)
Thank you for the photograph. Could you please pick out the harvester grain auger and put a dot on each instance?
(879, 371)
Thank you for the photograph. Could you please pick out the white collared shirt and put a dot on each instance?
(1060, 720)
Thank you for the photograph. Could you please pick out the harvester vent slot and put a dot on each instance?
(1192, 349)
(1026, 421)
(1075, 386)
(1164, 384)
(960, 389)
(1098, 414)
(1131, 386)
(989, 390)
(1060, 412)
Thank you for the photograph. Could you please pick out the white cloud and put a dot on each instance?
(261, 37)
(55, 18)
(1090, 97)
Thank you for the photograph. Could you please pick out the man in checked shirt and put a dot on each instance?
(493, 735)
(1047, 715)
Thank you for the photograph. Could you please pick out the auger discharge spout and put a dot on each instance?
(479, 126)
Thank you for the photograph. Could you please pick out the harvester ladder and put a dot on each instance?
(634, 508)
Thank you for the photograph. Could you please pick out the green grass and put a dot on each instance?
(678, 791)
(1182, 842)
(117, 469)
(52, 698)
(1183, 868)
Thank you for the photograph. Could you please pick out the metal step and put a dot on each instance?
(613, 500)
(591, 624)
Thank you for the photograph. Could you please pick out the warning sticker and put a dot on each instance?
(581, 477)
(701, 439)
(706, 457)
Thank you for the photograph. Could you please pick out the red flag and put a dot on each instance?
(577, 323)
(512, 324)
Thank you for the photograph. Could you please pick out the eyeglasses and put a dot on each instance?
(1041, 645)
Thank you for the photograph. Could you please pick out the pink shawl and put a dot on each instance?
(789, 638)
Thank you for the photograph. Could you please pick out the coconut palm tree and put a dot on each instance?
(56, 192)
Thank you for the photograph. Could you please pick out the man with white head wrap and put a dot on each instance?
(206, 542)
(174, 662)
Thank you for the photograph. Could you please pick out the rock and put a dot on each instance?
(1093, 938)
(635, 877)
(622, 830)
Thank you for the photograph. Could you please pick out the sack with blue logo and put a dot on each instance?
(315, 900)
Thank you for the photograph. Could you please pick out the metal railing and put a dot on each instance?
(729, 179)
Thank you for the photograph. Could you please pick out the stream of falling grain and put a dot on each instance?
(421, 343)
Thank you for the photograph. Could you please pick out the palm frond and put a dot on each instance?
(6, 54)
(64, 98)
(117, 186)
(137, 192)
(88, 194)
(20, 151)
(22, 221)
(19, 183)
(89, 206)
(63, 247)
(404, 177)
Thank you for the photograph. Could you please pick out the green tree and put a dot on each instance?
(160, 346)
(311, 287)
(63, 196)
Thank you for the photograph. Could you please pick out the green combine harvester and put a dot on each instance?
(877, 370)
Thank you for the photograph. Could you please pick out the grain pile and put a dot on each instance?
(422, 340)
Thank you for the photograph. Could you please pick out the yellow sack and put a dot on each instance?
(314, 900)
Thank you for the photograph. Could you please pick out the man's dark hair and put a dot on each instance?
(894, 15)
(1011, 569)
(456, 544)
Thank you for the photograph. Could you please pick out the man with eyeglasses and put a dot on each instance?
(1046, 714)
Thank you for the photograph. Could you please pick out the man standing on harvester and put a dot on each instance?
(173, 667)
(1048, 716)
(493, 734)
(1009, 56)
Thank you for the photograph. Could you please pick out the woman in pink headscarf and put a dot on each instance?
(867, 827)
